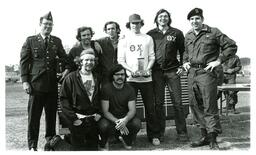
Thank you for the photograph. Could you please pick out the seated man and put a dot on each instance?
(79, 98)
(119, 109)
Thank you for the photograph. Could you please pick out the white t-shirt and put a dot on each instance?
(89, 84)
(136, 50)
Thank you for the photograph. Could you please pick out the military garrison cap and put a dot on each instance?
(194, 12)
(47, 16)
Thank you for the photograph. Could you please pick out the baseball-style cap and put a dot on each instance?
(194, 12)
(135, 18)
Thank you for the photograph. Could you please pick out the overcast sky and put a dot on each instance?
(20, 18)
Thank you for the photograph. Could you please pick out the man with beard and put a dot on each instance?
(202, 58)
(108, 57)
(119, 109)
(79, 98)
(38, 65)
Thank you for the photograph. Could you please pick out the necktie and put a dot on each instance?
(46, 42)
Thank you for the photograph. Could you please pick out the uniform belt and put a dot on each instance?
(81, 116)
(198, 65)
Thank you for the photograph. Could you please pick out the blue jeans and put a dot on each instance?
(146, 90)
(161, 78)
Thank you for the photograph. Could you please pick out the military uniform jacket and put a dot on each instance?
(207, 46)
(234, 64)
(38, 64)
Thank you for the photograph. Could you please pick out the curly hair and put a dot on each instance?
(118, 30)
(81, 29)
(115, 69)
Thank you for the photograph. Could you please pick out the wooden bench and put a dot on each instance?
(169, 110)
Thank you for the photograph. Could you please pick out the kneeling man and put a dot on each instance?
(119, 109)
(80, 104)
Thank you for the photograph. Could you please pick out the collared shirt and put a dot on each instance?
(207, 46)
(167, 47)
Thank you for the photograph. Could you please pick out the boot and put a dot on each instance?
(213, 142)
(204, 140)
(234, 109)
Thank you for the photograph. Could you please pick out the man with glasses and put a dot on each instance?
(136, 55)
(119, 109)
(39, 80)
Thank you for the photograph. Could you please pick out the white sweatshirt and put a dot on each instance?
(133, 47)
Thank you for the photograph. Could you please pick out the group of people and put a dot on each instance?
(101, 79)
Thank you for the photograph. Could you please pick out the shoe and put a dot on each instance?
(33, 149)
(47, 147)
(182, 137)
(202, 142)
(161, 138)
(214, 145)
(127, 147)
(155, 141)
(105, 148)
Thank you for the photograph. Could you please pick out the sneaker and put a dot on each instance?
(182, 137)
(105, 148)
(155, 141)
(33, 149)
(127, 147)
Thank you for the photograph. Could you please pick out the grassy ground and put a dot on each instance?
(235, 136)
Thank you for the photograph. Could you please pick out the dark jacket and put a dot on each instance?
(38, 65)
(207, 46)
(108, 57)
(74, 98)
(234, 64)
(167, 47)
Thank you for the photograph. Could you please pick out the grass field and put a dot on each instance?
(235, 136)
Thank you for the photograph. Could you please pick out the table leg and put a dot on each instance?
(220, 102)
(227, 103)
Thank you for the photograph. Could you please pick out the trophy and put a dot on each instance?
(141, 72)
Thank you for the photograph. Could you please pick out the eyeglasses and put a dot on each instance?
(119, 74)
(48, 24)
(136, 23)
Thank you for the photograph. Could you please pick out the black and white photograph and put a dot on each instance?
(127, 75)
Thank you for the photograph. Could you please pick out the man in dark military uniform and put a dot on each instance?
(38, 61)
(203, 45)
